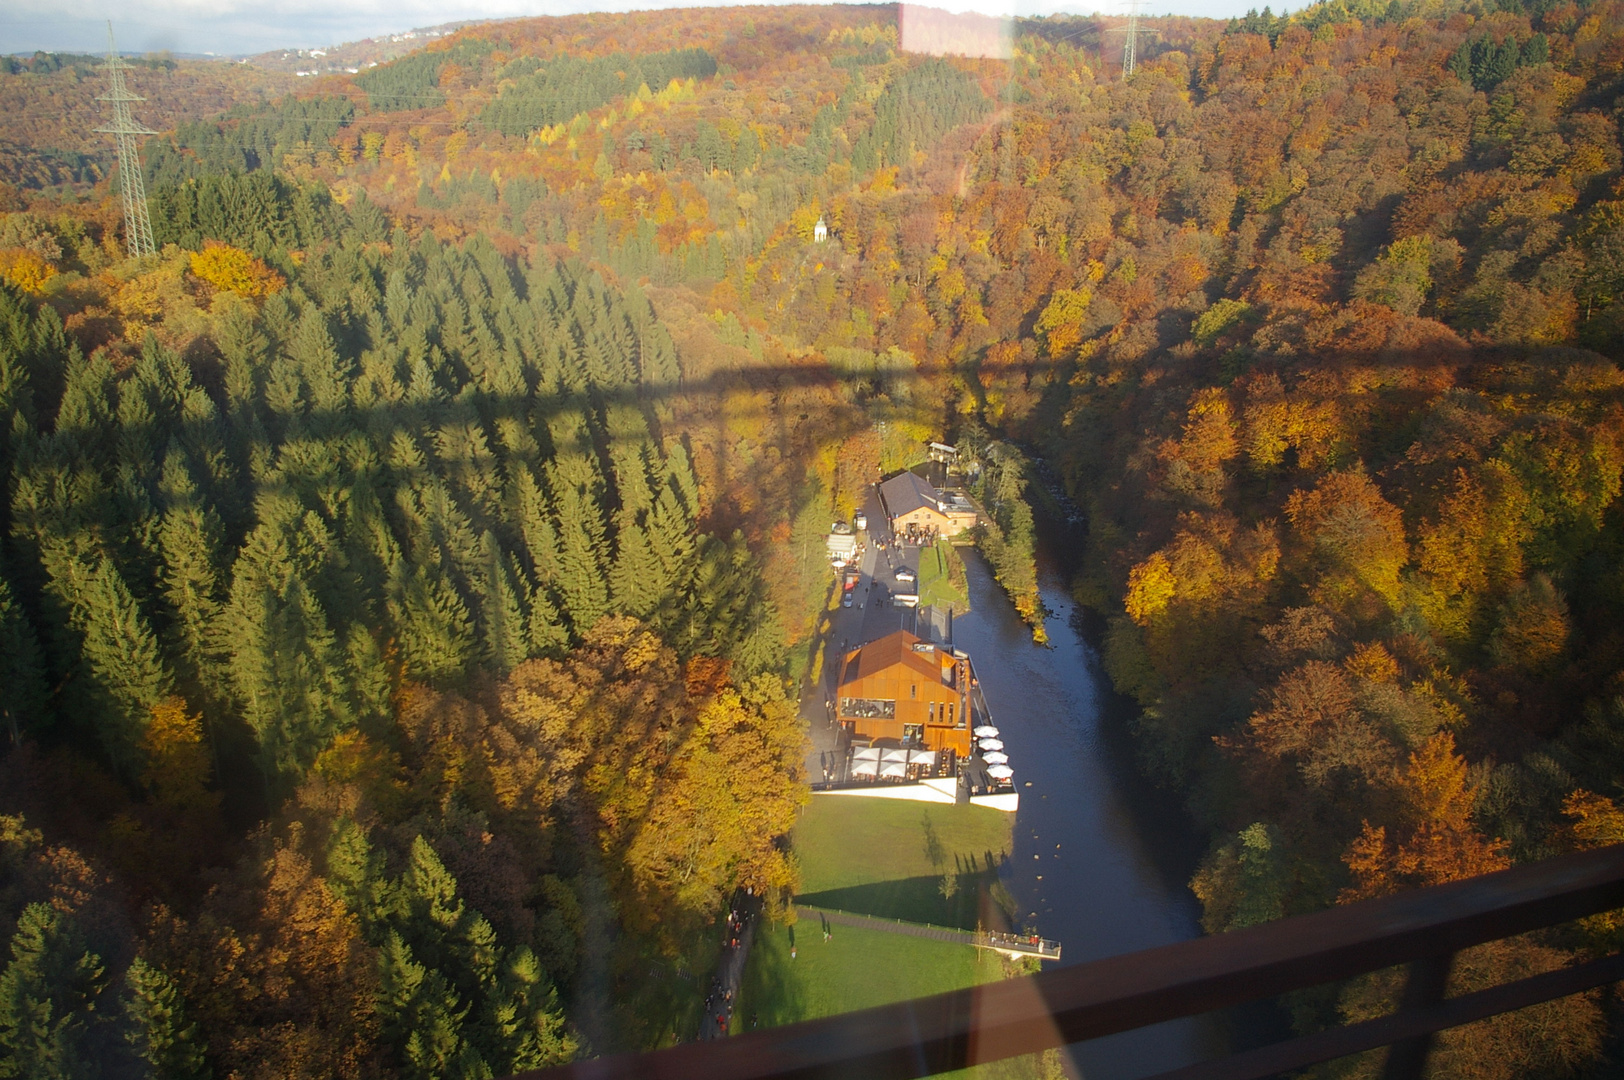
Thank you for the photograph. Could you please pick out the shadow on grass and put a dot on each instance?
(977, 900)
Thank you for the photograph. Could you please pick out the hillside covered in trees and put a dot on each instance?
(406, 572)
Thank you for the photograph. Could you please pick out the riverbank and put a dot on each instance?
(1099, 859)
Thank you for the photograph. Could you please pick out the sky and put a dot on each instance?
(227, 27)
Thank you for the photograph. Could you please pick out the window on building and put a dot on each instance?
(913, 692)
(868, 708)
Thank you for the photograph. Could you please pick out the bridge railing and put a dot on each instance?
(1423, 929)
(1030, 944)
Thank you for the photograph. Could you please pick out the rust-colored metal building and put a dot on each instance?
(905, 688)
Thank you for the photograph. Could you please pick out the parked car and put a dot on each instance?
(905, 575)
(846, 601)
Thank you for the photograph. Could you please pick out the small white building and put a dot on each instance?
(820, 231)
(842, 548)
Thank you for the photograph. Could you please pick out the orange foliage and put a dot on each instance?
(1437, 841)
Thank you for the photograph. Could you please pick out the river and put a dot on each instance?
(1101, 858)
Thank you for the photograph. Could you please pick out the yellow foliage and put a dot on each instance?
(1351, 537)
(1372, 661)
(804, 219)
(177, 763)
(25, 269)
(232, 269)
(1597, 820)
(1151, 588)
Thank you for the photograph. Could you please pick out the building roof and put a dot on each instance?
(889, 652)
(908, 491)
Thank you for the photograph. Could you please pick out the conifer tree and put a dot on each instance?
(159, 1032)
(286, 668)
(637, 581)
(671, 538)
(48, 994)
(87, 412)
(546, 631)
(23, 704)
(190, 540)
(422, 1017)
(581, 578)
(431, 623)
(502, 616)
(529, 507)
(125, 665)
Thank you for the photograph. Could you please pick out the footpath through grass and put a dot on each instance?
(856, 968)
(887, 858)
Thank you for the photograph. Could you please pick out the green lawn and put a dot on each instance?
(880, 857)
(875, 857)
(850, 840)
(855, 969)
(936, 585)
(859, 969)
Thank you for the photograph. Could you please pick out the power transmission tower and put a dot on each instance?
(1131, 32)
(137, 226)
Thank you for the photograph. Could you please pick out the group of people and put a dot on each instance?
(922, 537)
(719, 1001)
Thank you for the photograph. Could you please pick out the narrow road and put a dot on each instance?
(740, 928)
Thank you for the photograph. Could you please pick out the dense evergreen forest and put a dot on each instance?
(407, 572)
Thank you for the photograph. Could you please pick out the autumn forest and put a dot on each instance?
(409, 573)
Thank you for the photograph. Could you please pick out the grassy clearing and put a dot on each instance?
(855, 969)
(847, 841)
(859, 969)
(942, 579)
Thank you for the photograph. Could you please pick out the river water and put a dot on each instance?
(1112, 854)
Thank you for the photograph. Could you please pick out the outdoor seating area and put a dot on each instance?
(893, 763)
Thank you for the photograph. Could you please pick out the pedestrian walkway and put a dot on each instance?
(894, 926)
(1008, 944)
(740, 931)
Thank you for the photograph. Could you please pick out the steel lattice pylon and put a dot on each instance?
(137, 226)
(1131, 32)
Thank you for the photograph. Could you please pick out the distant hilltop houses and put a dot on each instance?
(354, 57)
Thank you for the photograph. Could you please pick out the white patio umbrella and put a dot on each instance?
(992, 744)
(894, 768)
(922, 757)
(1000, 772)
(898, 756)
(986, 731)
(866, 753)
(995, 757)
(864, 768)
